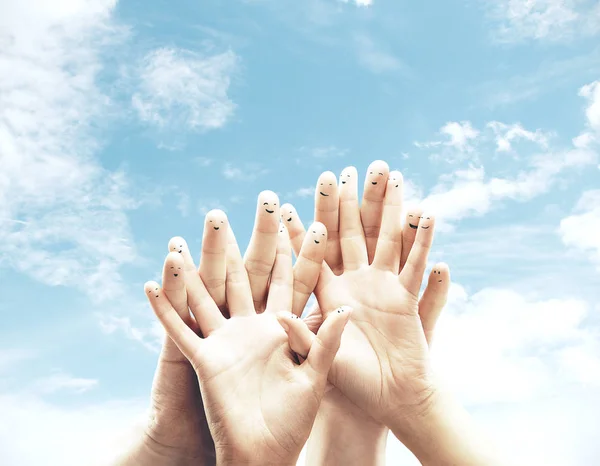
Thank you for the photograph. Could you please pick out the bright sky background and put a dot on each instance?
(122, 123)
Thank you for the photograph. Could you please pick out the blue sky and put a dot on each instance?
(122, 123)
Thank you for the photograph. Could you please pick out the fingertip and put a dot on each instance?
(177, 244)
(174, 259)
(152, 289)
(319, 230)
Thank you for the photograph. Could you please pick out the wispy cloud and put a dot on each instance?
(324, 152)
(549, 20)
(377, 57)
(470, 192)
(72, 227)
(63, 382)
(244, 171)
(506, 134)
(550, 75)
(179, 88)
(580, 230)
(460, 137)
(309, 191)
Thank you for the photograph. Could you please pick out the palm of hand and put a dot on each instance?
(382, 360)
(251, 391)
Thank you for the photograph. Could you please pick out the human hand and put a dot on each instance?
(260, 404)
(177, 432)
(364, 439)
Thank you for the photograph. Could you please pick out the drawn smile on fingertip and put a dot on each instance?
(270, 211)
(414, 227)
(323, 194)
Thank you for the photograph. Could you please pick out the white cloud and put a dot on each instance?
(62, 215)
(551, 20)
(376, 57)
(581, 229)
(592, 93)
(460, 134)
(183, 89)
(63, 382)
(505, 134)
(308, 191)
(460, 137)
(467, 192)
(359, 2)
(516, 339)
(92, 434)
(243, 172)
(203, 161)
(150, 335)
(325, 152)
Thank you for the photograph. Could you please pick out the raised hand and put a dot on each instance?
(260, 403)
(394, 245)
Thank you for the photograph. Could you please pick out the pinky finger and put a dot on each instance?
(183, 336)
(434, 299)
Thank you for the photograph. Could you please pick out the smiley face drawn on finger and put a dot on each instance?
(425, 226)
(268, 208)
(411, 216)
(375, 176)
(324, 188)
(177, 244)
(216, 224)
(439, 273)
(317, 238)
(175, 271)
(395, 179)
(345, 177)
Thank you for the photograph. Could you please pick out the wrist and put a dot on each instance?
(226, 458)
(345, 434)
(441, 432)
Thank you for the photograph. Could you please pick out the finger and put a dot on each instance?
(409, 233)
(327, 341)
(308, 265)
(179, 245)
(239, 294)
(371, 208)
(299, 336)
(260, 255)
(203, 308)
(173, 285)
(213, 260)
(434, 299)
(295, 228)
(412, 273)
(352, 239)
(327, 203)
(389, 244)
(183, 336)
(282, 280)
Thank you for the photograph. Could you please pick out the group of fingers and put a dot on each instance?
(346, 234)
(372, 233)
(225, 284)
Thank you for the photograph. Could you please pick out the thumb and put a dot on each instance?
(299, 336)
(327, 341)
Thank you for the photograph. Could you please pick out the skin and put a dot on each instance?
(261, 251)
(383, 365)
(363, 439)
(247, 373)
(178, 433)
